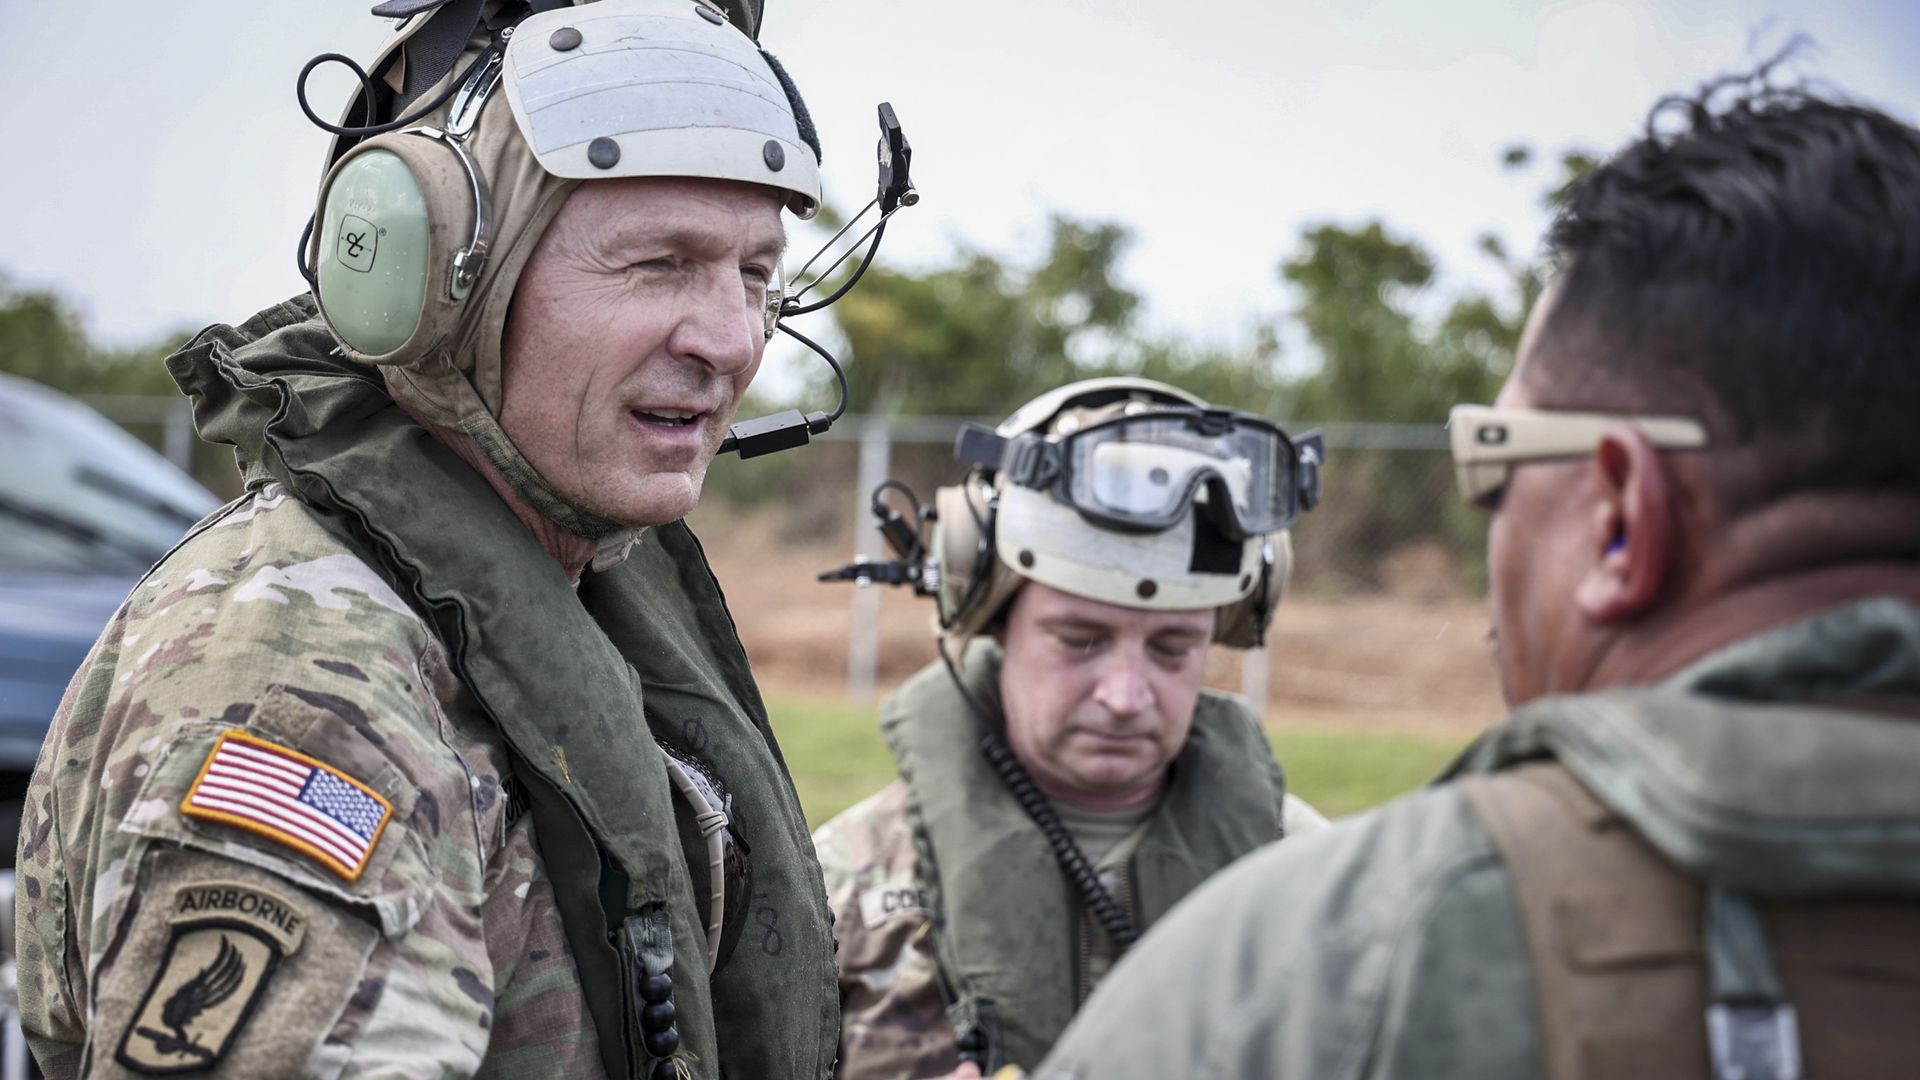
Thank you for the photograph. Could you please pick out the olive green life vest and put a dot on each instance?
(1007, 919)
(569, 680)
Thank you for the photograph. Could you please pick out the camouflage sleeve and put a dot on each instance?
(893, 1016)
(250, 849)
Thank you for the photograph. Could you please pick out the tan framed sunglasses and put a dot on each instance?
(1489, 441)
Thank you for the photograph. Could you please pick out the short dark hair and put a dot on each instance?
(1752, 260)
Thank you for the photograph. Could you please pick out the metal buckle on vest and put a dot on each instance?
(1752, 1031)
(1753, 1040)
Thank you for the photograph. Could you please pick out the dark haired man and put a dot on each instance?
(1694, 849)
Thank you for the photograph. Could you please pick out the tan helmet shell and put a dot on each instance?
(1031, 536)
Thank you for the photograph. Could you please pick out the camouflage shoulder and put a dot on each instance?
(264, 718)
(868, 831)
(260, 626)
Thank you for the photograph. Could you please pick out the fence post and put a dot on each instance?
(863, 643)
(176, 434)
(1253, 679)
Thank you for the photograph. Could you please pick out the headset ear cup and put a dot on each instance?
(956, 544)
(391, 214)
(1243, 624)
(970, 598)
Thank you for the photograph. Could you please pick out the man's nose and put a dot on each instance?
(716, 329)
(1124, 688)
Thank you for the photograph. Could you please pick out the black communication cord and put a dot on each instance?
(300, 256)
(1072, 860)
(902, 535)
(838, 372)
(879, 230)
(366, 92)
(367, 95)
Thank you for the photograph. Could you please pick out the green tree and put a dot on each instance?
(1381, 362)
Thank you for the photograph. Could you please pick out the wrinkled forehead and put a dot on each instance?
(694, 214)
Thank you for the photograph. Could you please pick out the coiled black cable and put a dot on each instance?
(366, 91)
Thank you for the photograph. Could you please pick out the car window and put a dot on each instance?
(78, 493)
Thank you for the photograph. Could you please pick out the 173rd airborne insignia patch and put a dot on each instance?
(227, 938)
(286, 796)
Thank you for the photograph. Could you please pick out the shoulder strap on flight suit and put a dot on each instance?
(1621, 975)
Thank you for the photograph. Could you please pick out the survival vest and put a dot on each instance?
(1006, 917)
(1795, 956)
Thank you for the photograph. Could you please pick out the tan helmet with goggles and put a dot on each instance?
(1130, 492)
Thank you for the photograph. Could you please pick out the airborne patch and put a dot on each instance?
(284, 795)
(228, 938)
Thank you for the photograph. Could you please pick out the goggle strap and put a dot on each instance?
(980, 445)
(1028, 460)
(1309, 452)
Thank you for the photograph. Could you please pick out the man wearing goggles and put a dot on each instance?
(1694, 848)
(1065, 779)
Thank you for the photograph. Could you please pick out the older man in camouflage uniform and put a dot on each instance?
(969, 921)
(435, 753)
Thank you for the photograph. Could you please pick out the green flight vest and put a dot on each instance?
(1007, 917)
(568, 679)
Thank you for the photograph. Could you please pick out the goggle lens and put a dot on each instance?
(1144, 471)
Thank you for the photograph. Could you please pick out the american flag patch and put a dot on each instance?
(285, 795)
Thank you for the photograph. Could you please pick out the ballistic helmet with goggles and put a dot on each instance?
(1127, 491)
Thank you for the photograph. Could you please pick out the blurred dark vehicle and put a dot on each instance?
(85, 510)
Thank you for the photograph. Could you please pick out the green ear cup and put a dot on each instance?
(372, 258)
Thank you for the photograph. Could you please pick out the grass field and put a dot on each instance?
(838, 758)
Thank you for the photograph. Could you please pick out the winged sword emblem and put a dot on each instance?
(210, 986)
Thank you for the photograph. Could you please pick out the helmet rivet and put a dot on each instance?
(710, 15)
(1146, 589)
(603, 152)
(773, 153)
(565, 39)
(1026, 559)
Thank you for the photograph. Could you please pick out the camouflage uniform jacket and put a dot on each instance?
(443, 956)
(894, 1005)
(1391, 945)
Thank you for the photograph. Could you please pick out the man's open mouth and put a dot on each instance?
(667, 417)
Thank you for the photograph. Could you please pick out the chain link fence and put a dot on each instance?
(1389, 528)
(1389, 519)
(1390, 547)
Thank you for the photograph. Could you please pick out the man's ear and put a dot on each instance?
(1633, 527)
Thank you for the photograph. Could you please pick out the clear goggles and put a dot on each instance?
(1144, 472)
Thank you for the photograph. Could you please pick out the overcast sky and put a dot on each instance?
(159, 171)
